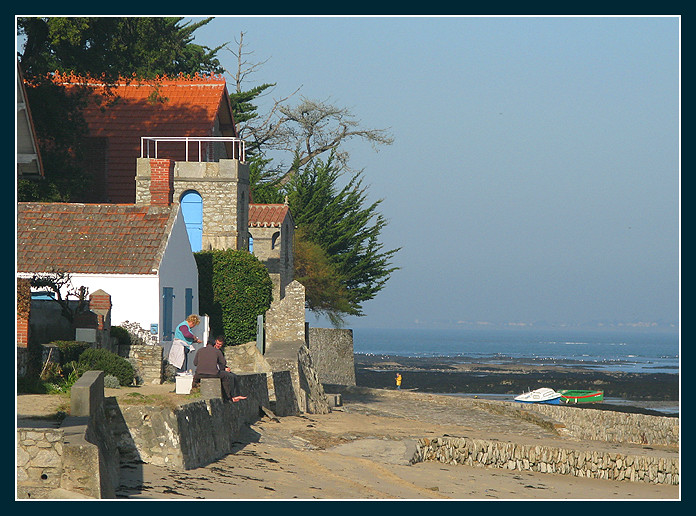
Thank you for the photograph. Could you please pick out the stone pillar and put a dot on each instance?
(100, 304)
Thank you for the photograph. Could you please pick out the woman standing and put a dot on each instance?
(183, 342)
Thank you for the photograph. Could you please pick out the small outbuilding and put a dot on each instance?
(138, 253)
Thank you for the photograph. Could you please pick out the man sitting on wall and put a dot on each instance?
(211, 363)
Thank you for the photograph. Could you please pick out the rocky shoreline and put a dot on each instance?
(453, 376)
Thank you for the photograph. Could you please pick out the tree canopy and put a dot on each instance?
(114, 46)
(104, 47)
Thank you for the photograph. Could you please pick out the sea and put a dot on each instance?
(606, 350)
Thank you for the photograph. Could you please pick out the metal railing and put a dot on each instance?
(235, 148)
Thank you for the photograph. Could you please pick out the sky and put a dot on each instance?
(535, 169)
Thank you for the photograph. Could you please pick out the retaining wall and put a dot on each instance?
(79, 457)
(547, 459)
(609, 426)
(189, 436)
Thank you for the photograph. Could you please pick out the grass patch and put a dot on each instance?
(150, 400)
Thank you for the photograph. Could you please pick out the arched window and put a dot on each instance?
(251, 243)
(192, 210)
(274, 240)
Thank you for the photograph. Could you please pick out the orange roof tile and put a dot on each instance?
(92, 238)
(267, 215)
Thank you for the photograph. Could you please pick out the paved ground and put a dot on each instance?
(361, 451)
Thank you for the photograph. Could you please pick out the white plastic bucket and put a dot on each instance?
(184, 383)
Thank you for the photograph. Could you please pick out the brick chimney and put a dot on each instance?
(161, 182)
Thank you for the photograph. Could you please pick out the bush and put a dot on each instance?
(111, 382)
(70, 350)
(234, 288)
(110, 363)
(121, 335)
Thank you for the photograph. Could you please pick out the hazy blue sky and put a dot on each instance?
(535, 171)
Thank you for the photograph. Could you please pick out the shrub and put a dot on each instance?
(121, 335)
(110, 363)
(111, 382)
(70, 350)
(234, 288)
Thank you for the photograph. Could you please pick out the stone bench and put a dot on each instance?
(211, 388)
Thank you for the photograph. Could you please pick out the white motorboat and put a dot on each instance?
(543, 395)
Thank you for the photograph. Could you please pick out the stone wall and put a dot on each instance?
(285, 320)
(190, 436)
(285, 402)
(147, 361)
(39, 461)
(332, 355)
(548, 459)
(610, 426)
(224, 189)
(80, 457)
(22, 361)
(246, 358)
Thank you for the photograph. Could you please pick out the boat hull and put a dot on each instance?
(543, 395)
(579, 396)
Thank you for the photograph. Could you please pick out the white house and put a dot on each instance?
(139, 254)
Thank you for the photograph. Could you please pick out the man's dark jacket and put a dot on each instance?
(209, 361)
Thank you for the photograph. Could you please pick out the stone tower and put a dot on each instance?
(223, 187)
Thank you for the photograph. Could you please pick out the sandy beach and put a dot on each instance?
(361, 450)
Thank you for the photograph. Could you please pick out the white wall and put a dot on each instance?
(179, 271)
(134, 298)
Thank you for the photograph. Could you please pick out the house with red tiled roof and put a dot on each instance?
(122, 114)
(272, 230)
(138, 253)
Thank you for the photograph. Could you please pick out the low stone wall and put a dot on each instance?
(332, 355)
(286, 403)
(22, 361)
(246, 358)
(610, 426)
(39, 461)
(147, 360)
(190, 436)
(79, 457)
(547, 459)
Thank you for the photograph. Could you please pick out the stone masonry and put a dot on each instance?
(224, 189)
(332, 355)
(548, 459)
(285, 320)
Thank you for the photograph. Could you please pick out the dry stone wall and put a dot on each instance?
(548, 459)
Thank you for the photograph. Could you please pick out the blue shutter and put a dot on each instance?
(192, 210)
(189, 301)
(167, 309)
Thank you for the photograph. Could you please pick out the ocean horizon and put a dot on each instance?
(630, 351)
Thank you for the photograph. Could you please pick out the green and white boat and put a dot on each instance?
(580, 396)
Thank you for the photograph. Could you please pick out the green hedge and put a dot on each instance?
(234, 287)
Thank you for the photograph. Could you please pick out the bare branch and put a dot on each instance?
(58, 282)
